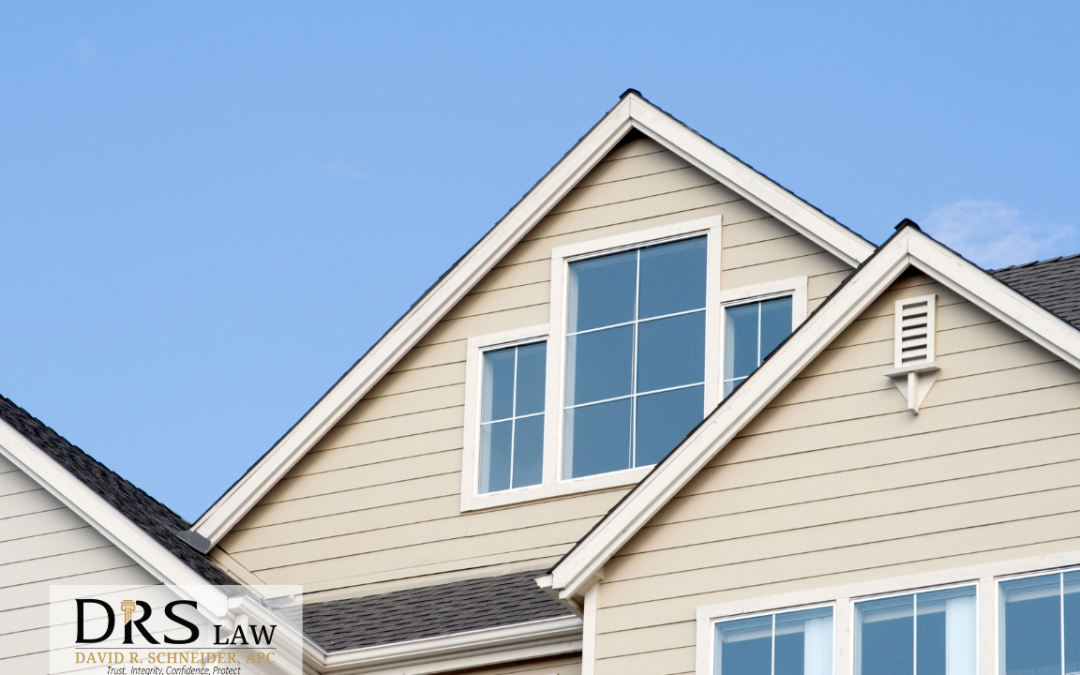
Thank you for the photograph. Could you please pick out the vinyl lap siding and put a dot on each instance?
(42, 542)
(377, 499)
(835, 482)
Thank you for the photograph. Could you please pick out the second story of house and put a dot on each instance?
(630, 291)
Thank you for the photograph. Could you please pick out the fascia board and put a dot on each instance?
(760, 190)
(106, 519)
(474, 649)
(232, 506)
(574, 572)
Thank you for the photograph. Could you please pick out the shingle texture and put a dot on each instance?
(429, 612)
(157, 519)
(1054, 284)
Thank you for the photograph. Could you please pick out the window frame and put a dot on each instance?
(999, 607)
(561, 258)
(713, 621)
(794, 288)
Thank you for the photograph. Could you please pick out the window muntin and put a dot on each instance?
(751, 332)
(1040, 625)
(635, 356)
(512, 417)
(786, 643)
(931, 633)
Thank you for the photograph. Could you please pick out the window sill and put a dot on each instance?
(604, 481)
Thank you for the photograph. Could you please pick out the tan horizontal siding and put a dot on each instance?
(836, 482)
(376, 501)
(43, 543)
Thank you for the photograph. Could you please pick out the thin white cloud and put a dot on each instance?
(993, 234)
(84, 52)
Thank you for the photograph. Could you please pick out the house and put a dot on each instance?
(665, 417)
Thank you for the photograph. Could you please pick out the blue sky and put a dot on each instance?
(209, 211)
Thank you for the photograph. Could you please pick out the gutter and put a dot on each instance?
(471, 649)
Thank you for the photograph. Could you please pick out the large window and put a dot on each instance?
(788, 643)
(1039, 626)
(932, 633)
(752, 331)
(512, 417)
(635, 356)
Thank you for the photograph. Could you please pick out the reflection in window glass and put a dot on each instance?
(789, 643)
(1038, 613)
(635, 356)
(512, 417)
(931, 633)
(752, 331)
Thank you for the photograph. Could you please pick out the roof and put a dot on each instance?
(156, 519)
(633, 112)
(909, 247)
(1054, 284)
(430, 611)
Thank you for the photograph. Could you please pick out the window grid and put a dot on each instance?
(635, 323)
(736, 381)
(514, 417)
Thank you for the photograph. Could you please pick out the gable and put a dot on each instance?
(43, 542)
(375, 502)
(836, 482)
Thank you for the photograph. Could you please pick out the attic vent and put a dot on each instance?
(914, 331)
(914, 369)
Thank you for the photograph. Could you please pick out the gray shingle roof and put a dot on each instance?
(155, 518)
(1054, 284)
(430, 611)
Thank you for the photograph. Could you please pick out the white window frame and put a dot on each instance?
(561, 257)
(795, 288)
(765, 612)
(476, 347)
(985, 577)
(999, 614)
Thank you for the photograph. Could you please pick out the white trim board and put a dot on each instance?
(632, 111)
(908, 247)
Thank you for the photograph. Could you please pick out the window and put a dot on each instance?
(751, 332)
(1040, 625)
(788, 643)
(512, 417)
(635, 356)
(932, 633)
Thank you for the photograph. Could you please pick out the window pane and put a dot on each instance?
(1072, 622)
(528, 451)
(495, 456)
(671, 352)
(946, 635)
(498, 386)
(602, 291)
(730, 386)
(531, 374)
(672, 278)
(1032, 625)
(744, 647)
(804, 642)
(664, 419)
(741, 341)
(597, 439)
(599, 365)
(775, 324)
(885, 636)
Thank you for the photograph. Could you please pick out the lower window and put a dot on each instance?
(932, 633)
(786, 643)
(1040, 625)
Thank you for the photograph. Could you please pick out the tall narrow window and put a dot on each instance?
(929, 633)
(752, 331)
(1040, 625)
(789, 643)
(512, 417)
(635, 356)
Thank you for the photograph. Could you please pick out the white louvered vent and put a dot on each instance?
(914, 369)
(914, 331)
